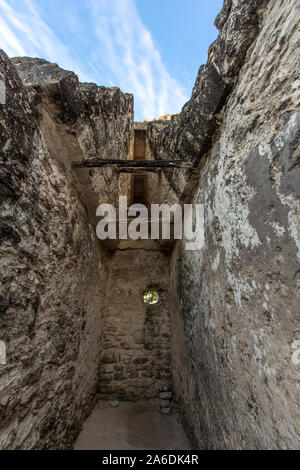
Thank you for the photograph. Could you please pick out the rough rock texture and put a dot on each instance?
(53, 272)
(80, 121)
(189, 135)
(136, 360)
(73, 318)
(236, 303)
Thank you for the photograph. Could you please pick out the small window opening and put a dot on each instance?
(151, 297)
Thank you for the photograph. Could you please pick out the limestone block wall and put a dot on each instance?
(136, 343)
(52, 270)
(73, 319)
(235, 303)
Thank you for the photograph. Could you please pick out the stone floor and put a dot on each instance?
(131, 426)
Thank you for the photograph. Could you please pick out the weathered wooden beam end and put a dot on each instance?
(132, 164)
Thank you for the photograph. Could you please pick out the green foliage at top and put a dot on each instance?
(151, 297)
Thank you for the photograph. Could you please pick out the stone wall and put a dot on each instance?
(235, 303)
(136, 359)
(53, 272)
(72, 315)
(190, 134)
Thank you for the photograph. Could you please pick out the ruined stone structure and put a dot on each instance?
(72, 314)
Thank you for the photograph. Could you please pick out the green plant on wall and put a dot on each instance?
(151, 297)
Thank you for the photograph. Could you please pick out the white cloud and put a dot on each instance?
(132, 55)
(119, 50)
(26, 33)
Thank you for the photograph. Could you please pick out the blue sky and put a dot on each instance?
(151, 48)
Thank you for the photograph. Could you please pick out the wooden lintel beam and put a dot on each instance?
(138, 170)
(132, 164)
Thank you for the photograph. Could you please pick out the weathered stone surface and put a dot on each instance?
(166, 395)
(114, 403)
(190, 134)
(73, 318)
(143, 365)
(52, 268)
(236, 302)
(164, 403)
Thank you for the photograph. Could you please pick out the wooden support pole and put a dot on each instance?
(145, 165)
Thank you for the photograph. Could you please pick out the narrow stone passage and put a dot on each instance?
(136, 336)
(131, 426)
(221, 346)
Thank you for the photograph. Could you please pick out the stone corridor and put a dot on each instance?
(136, 336)
(214, 364)
(131, 426)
